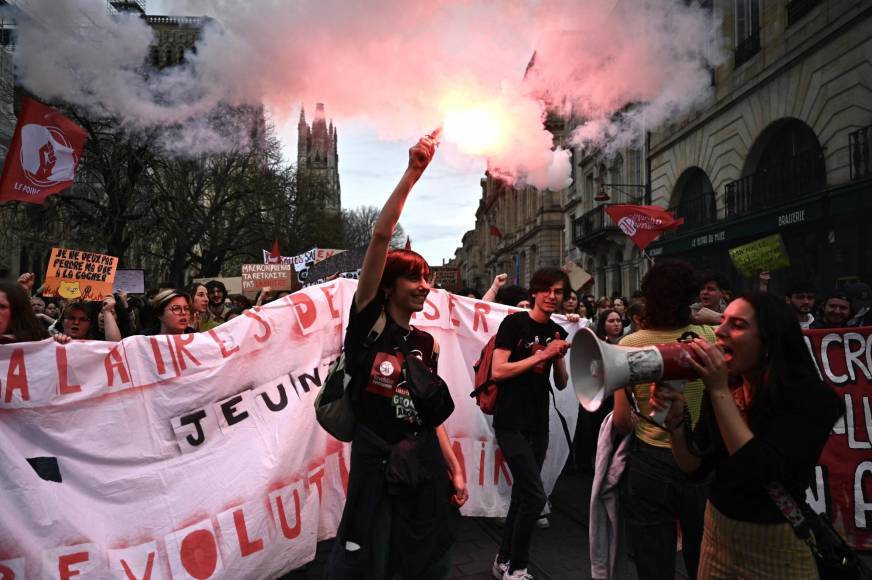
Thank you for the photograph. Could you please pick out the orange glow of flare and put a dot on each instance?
(480, 129)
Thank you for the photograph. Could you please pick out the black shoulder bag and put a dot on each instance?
(334, 407)
(429, 392)
(835, 559)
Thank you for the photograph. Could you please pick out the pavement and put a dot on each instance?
(559, 552)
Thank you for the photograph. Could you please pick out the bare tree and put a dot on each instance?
(358, 223)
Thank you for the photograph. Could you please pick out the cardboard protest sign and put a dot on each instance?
(77, 275)
(445, 277)
(766, 254)
(578, 278)
(130, 281)
(276, 276)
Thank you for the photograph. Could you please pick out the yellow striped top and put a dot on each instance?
(692, 391)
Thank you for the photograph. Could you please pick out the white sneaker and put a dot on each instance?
(518, 575)
(499, 569)
(543, 523)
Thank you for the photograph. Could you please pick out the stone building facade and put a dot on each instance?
(518, 229)
(782, 147)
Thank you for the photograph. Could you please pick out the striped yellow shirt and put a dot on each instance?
(692, 391)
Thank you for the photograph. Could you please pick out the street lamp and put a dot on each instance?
(603, 196)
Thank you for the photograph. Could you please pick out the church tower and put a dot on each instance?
(318, 156)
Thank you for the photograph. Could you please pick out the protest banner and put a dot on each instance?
(129, 281)
(765, 254)
(446, 277)
(842, 485)
(77, 275)
(198, 456)
(275, 276)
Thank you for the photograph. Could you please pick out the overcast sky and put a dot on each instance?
(442, 205)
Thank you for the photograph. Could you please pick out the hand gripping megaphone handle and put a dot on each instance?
(660, 416)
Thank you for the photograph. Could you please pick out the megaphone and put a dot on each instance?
(598, 369)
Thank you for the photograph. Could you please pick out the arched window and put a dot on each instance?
(693, 198)
(785, 162)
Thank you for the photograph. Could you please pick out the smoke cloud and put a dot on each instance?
(404, 66)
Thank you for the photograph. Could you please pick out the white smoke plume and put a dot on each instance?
(405, 66)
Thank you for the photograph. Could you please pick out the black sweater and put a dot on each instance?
(785, 448)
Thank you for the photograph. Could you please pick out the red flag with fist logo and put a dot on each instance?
(643, 223)
(43, 156)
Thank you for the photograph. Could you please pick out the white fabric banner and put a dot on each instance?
(198, 456)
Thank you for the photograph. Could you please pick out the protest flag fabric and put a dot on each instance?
(43, 156)
(643, 223)
(274, 257)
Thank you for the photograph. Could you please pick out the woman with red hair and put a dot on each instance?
(405, 484)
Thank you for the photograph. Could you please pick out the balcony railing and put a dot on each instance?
(796, 9)
(861, 160)
(775, 184)
(746, 48)
(592, 224)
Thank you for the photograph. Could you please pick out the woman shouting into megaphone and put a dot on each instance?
(758, 438)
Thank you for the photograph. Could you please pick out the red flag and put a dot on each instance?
(274, 257)
(495, 231)
(643, 223)
(43, 156)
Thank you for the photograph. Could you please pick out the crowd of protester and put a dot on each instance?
(726, 434)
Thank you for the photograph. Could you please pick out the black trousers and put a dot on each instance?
(525, 454)
(656, 494)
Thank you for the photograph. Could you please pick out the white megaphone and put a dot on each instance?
(598, 369)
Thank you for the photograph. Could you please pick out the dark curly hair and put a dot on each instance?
(669, 288)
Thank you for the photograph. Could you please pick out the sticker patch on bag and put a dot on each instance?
(385, 374)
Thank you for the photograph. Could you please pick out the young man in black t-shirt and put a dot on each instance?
(528, 344)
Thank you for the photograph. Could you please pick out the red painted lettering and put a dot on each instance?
(16, 376)
(148, 568)
(315, 477)
(328, 293)
(182, 340)
(482, 309)
(224, 352)
(452, 304)
(500, 466)
(305, 308)
(431, 315)
(64, 386)
(481, 466)
(458, 453)
(247, 547)
(115, 362)
(158, 359)
(266, 329)
(67, 560)
(199, 554)
(287, 531)
(343, 470)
